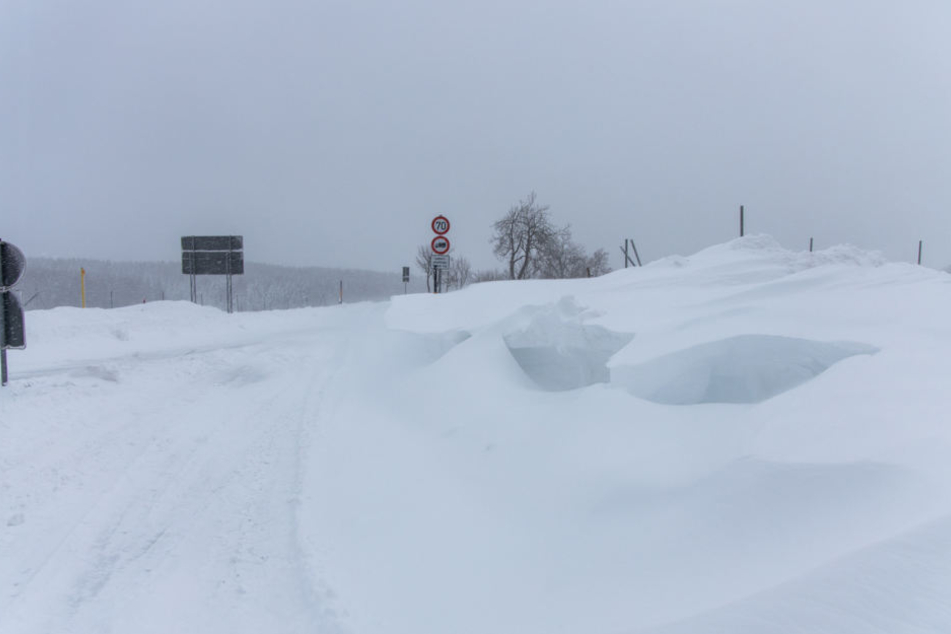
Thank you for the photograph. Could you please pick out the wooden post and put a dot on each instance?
(810, 245)
(82, 285)
(919, 252)
(741, 221)
(627, 258)
(636, 256)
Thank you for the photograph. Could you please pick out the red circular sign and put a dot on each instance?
(440, 245)
(441, 225)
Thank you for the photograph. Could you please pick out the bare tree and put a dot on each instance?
(597, 264)
(560, 257)
(424, 260)
(520, 234)
(459, 273)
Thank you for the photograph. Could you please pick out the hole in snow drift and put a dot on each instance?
(558, 352)
(743, 369)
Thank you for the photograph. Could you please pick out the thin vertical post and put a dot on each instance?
(636, 256)
(341, 292)
(194, 277)
(741, 221)
(810, 245)
(82, 285)
(627, 258)
(228, 269)
(919, 252)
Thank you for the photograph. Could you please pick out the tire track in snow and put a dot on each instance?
(215, 505)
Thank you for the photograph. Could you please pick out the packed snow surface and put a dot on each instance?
(747, 440)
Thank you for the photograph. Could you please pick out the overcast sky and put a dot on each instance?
(331, 132)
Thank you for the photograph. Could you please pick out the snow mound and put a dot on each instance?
(741, 369)
(559, 352)
(765, 248)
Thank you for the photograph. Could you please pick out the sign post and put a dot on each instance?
(12, 333)
(213, 255)
(405, 278)
(440, 247)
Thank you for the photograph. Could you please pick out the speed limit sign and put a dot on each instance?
(441, 225)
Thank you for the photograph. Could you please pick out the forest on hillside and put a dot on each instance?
(51, 282)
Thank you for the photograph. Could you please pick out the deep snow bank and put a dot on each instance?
(391, 469)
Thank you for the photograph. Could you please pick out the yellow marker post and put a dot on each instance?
(82, 284)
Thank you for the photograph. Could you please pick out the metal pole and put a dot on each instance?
(3, 330)
(194, 278)
(228, 269)
(810, 245)
(626, 258)
(741, 221)
(919, 252)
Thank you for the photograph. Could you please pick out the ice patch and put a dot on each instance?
(743, 369)
(559, 352)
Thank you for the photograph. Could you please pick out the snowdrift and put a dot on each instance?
(744, 440)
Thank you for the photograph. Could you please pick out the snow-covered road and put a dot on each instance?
(161, 492)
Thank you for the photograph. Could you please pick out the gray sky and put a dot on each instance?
(331, 132)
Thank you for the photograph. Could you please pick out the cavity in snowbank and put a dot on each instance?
(559, 352)
(742, 369)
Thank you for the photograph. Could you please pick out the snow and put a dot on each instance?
(744, 440)
(741, 369)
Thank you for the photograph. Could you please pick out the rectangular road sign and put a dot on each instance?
(212, 262)
(405, 274)
(212, 243)
(13, 335)
(440, 261)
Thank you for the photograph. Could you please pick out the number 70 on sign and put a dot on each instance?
(440, 225)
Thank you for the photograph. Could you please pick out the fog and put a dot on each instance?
(329, 133)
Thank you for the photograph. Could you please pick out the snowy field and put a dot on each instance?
(747, 440)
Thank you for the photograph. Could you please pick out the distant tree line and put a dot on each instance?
(50, 282)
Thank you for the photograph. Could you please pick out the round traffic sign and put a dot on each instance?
(440, 245)
(441, 225)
